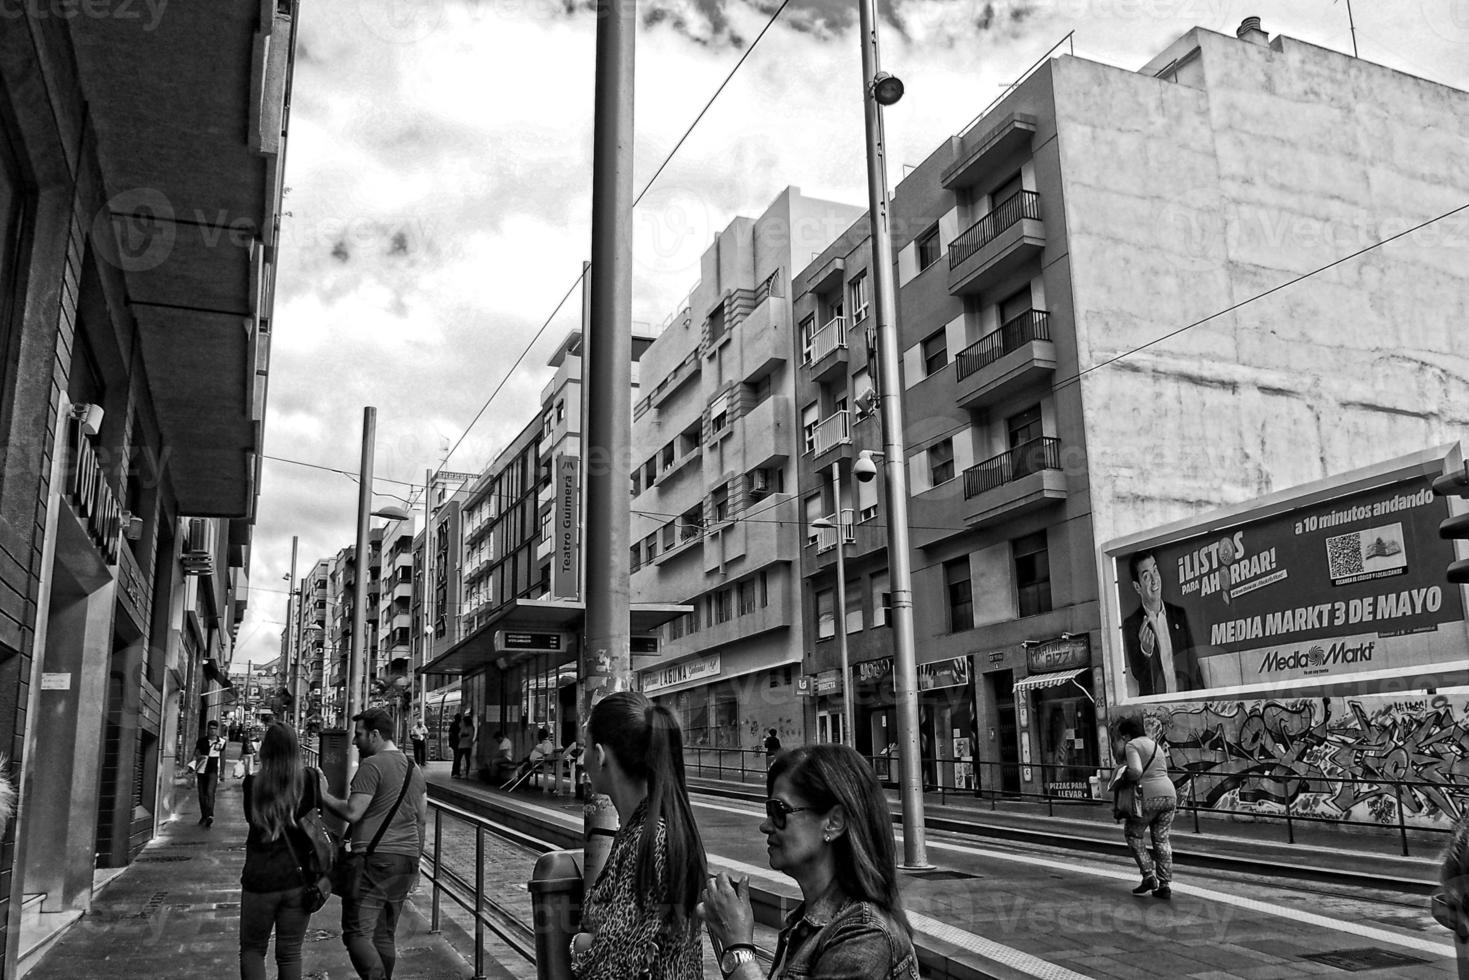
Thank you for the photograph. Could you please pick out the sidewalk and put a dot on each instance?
(173, 914)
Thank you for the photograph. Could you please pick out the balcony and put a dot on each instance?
(831, 434)
(1022, 479)
(825, 351)
(826, 537)
(1018, 355)
(997, 244)
(766, 433)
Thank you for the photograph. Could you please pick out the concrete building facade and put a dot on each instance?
(1084, 357)
(715, 515)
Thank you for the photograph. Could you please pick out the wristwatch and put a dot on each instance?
(735, 956)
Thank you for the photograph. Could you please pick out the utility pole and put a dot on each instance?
(895, 468)
(607, 365)
(356, 665)
(293, 652)
(427, 633)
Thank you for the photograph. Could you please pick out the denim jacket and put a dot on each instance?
(860, 942)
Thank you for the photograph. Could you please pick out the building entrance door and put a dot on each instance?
(829, 727)
(1007, 731)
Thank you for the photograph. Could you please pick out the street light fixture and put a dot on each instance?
(840, 526)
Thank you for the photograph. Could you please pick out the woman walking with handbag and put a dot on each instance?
(278, 794)
(639, 919)
(1150, 807)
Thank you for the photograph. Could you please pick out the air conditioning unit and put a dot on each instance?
(760, 484)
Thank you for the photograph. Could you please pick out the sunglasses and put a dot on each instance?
(779, 810)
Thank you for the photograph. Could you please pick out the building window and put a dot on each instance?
(960, 595)
(854, 606)
(1023, 427)
(813, 514)
(866, 500)
(764, 589)
(650, 472)
(935, 354)
(636, 558)
(757, 391)
(650, 546)
(763, 482)
(1032, 573)
(670, 536)
(940, 462)
(882, 598)
(723, 605)
(927, 247)
(666, 460)
(826, 622)
(810, 419)
(691, 524)
(747, 597)
(719, 503)
(857, 290)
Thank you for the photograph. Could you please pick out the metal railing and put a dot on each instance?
(1001, 781)
(1012, 334)
(831, 432)
(1027, 458)
(830, 337)
(826, 537)
(1021, 204)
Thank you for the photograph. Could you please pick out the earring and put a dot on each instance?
(826, 838)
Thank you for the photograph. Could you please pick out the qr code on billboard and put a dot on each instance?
(1344, 555)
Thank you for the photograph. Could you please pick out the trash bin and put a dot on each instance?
(556, 896)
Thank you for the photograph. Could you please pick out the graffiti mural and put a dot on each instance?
(1361, 759)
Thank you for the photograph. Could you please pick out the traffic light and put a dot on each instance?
(1456, 527)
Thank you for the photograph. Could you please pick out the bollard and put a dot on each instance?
(556, 896)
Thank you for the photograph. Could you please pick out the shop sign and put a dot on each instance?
(689, 670)
(566, 567)
(1050, 656)
(520, 641)
(131, 589)
(873, 670)
(943, 673)
(828, 682)
(95, 502)
(997, 656)
(805, 686)
(1069, 789)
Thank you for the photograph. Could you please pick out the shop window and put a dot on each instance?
(960, 593)
(826, 626)
(1032, 573)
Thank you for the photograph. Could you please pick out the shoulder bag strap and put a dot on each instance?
(383, 827)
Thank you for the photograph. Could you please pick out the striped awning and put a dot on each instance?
(1037, 681)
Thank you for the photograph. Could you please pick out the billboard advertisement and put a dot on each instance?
(1337, 587)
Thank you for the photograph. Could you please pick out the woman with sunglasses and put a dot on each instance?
(827, 826)
(639, 920)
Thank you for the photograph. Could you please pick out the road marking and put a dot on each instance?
(1208, 894)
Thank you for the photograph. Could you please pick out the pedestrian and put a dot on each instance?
(502, 766)
(639, 918)
(1150, 804)
(826, 825)
(277, 795)
(418, 735)
(454, 736)
(208, 760)
(466, 745)
(388, 812)
(772, 746)
(248, 760)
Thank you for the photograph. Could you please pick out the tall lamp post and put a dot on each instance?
(881, 89)
(840, 527)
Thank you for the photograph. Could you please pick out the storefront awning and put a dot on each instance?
(477, 650)
(1038, 681)
(211, 672)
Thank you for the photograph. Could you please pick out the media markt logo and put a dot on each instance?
(1316, 660)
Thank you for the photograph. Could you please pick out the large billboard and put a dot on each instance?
(1337, 587)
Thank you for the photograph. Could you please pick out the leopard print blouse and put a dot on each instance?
(631, 940)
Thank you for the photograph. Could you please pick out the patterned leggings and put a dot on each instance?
(1157, 818)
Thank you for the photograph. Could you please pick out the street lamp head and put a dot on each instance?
(886, 89)
(392, 513)
(824, 523)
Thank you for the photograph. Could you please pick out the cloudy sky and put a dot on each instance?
(439, 176)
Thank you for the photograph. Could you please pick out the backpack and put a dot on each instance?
(323, 852)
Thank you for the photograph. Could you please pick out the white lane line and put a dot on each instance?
(1208, 894)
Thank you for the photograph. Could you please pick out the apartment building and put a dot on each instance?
(715, 522)
(1047, 258)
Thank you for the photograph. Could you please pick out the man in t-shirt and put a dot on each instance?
(370, 918)
(208, 759)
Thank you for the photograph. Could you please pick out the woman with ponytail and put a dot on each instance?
(639, 922)
(278, 792)
(826, 825)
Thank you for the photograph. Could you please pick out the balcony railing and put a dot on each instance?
(831, 432)
(1025, 459)
(1013, 334)
(831, 336)
(826, 537)
(1022, 204)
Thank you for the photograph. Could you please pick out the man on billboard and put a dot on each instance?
(1155, 637)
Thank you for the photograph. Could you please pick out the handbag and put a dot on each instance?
(240, 770)
(346, 874)
(1134, 808)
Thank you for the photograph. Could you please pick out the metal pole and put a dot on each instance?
(356, 666)
(427, 634)
(293, 655)
(606, 662)
(890, 387)
(848, 736)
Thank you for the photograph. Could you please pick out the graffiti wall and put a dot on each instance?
(1358, 759)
